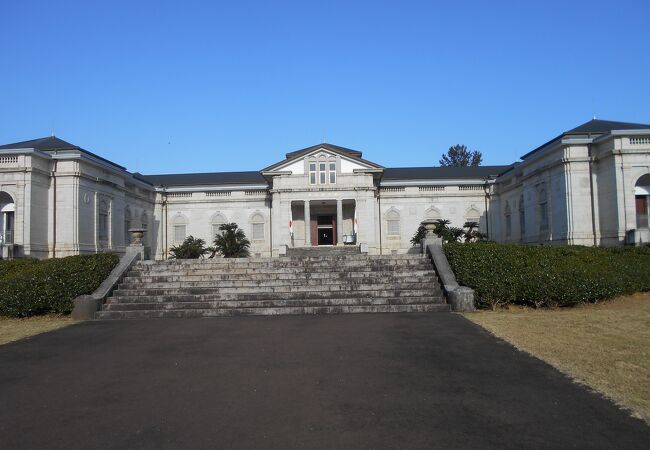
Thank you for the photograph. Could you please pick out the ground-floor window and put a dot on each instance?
(257, 227)
(179, 233)
(642, 211)
(392, 223)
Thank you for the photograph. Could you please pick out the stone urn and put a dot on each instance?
(429, 225)
(136, 235)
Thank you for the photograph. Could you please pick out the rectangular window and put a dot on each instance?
(179, 233)
(322, 175)
(641, 211)
(332, 173)
(392, 227)
(127, 235)
(103, 226)
(257, 232)
(543, 216)
(312, 173)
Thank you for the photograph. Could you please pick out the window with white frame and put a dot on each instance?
(332, 172)
(473, 215)
(312, 173)
(257, 227)
(392, 223)
(127, 225)
(102, 221)
(144, 221)
(217, 220)
(322, 173)
(543, 211)
(179, 228)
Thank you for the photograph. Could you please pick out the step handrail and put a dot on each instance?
(85, 306)
(461, 298)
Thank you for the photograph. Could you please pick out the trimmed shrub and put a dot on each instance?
(547, 275)
(10, 266)
(49, 286)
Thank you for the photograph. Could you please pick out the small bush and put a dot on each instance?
(232, 242)
(49, 286)
(191, 248)
(547, 275)
(469, 232)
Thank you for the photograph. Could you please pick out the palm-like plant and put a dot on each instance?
(232, 242)
(191, 248)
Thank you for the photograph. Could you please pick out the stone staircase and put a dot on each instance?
(339, 282)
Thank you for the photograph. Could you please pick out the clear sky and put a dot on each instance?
(188, 86)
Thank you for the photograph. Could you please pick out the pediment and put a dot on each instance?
(296, 162)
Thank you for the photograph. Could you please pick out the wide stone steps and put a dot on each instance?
(145, 289)
(351, 277)
(195, 303)
(274, 262)
(283, 310)
(393, 293)
(287, 265)
(321, 283)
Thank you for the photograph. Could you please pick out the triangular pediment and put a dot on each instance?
(295, 161)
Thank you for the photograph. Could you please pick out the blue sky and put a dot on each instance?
(187, 86)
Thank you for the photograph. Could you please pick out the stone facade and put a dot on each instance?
(588, 186)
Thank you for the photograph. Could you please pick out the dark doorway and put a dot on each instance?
(325, 230)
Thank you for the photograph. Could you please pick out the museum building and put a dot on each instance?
(588, 186)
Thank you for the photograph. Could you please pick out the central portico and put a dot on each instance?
(323, 196)
(322, 222)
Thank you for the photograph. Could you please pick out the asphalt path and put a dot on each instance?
(364, 381)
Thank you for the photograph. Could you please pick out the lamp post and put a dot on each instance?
(486, 190)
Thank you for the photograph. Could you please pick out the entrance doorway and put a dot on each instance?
(326, 225)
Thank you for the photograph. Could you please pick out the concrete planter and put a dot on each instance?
(136, 235)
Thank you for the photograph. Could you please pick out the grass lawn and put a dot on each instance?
(605, 346)
(13, 329)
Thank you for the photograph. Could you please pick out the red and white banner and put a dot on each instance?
(290, 221)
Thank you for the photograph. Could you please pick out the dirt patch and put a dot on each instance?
(13, 329)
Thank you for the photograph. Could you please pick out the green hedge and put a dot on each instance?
(30, 287)
(548, 275)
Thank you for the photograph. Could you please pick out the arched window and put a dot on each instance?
(473, 215)
(392, 223)
(508, 214)
(180, 228)
(641, 200)
(7, 211)
(543, 211)
(217, 220)
(257, 227)
(127, 225)
(102, 220)
(432, 213)
(522, 218)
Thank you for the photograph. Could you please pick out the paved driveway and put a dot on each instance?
(348, 382)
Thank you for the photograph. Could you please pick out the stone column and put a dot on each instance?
(307, 225)
(339, 222)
